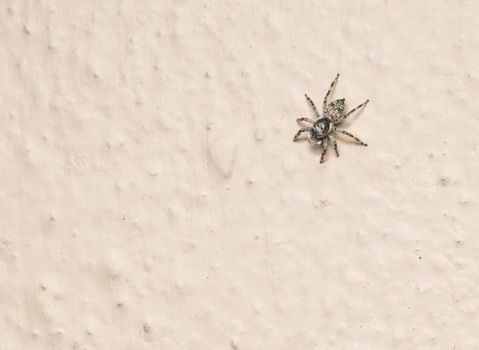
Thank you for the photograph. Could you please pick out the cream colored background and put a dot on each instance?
(152, 197)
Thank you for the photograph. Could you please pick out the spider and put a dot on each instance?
(322, 130)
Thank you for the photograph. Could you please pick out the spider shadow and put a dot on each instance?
(313, 148)
(317, 149)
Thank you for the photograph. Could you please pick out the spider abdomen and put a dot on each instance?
(335, 109)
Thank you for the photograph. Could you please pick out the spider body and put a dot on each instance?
(322, 130)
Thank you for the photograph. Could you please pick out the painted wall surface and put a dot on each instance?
(151, 196)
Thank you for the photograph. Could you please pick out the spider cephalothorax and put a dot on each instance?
(322, 129)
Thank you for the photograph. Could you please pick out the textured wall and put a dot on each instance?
(151, 196)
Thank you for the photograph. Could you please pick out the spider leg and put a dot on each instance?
(300, 131)
(325, 101)
(311, 103)
(340, 119)
(305, 120)
(335, 144)
(323, 154)
(352, 136)
(324, 143)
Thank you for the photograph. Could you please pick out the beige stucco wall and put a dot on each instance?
(151, 196)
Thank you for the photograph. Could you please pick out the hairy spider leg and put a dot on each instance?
(335, 144)
(331, 87)
(300, 131)
(340, 119)
(305, 120)
(311, 103)
(325, 144)
(352, 136)
(323, 154)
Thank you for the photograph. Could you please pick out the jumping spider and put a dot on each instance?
(322, 130)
